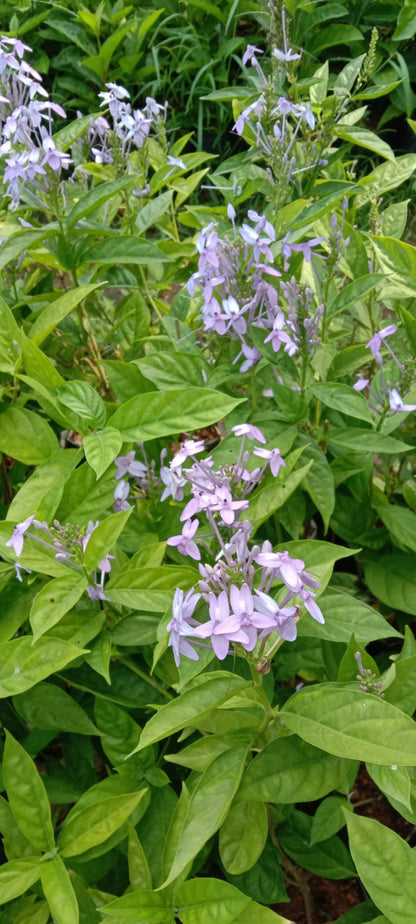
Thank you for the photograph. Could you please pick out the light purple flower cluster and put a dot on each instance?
(388, 397)
(68, 543)
(144, 482)
(237, 585)
(234, 278)
(26, 115)
(128, 127)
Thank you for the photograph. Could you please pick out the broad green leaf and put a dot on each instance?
(49, 318)
(126, 250)
(385, 177)
(406, 22)
(392, 579)
(48, 706)
(397, 260)
(243, 836)
(288, 770)
(323, 205)
(55, 599)
(364, 139)
(349, 723)
(59, 892)
(393, 781)
(173, 370)
(149, 589)
(141, 906)
(205, 808)
(120, 733)
(329, 818)
(319, 480)
(85, 498)
(85, 828)
(386, 866)
(329, 858)
(81, 404)
(40, 494)
(17, 876)
(351, 294)
(212, 690)
(10, 339)
(402, 690)
(401, 524)
(101, 193)
(345, 615)
(362, 440)
(273, 493)
(342, 398)
(15, 245)
(202, 901)
(395, 219)
(319, 556)
(139, 872)
(27, 796)
(157, 414)
(200, 754)
(103, 538)
(153, 210)
(67, 135)
(319, 88)
(259, 914)
(15, 844)
(23, 664)
(348, 361)
(25, 436)
(101, 448)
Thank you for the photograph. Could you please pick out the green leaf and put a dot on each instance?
(81, 404)
(401, 524)
(386, 866)
(345, 615)
(349, 723)
(402, 689)
(139, 872)
(398, 261)
(48, 706)
(319, 557)
(126, 250)
(289, 770)
(15, 245)
(153, 210)
(27, 796)
(17, 876)
(243, 836)
(386, 177)
(55, 599)
(394, 782)
(67, 135)
(173, 370)
(23, 664)
(342, 398)
(157, 414)
(59, 892)
(101, 448)
(362, 440)
(329, 858)
(329, 818)
(101, 193)
(392, 579)
(259, 914)
(85, 828)
(211, 691)
(25, 436)
(319, 481)
(142, 906)
(149, 589)
(202, 901)
(364, 139)
(49, 318)
(10, 339)
(103, 538)
(348, 360)
(201, 814)
(352, 293)
(406, 22)
(273, 493)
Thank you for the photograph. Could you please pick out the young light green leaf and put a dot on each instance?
(139, 873)
(17, 876)
(386, 866)
(101, 448)
(27, 796)
(212, 690)
(157, 414)
(85, 828)
(149, 589)
(23, 664)
(393, 781)
(49, 318)
(25, 436)
(55, 599)
(153, 210)
(59, 892)
(243, 836)
(101, 193)
(364, 139)
(349, 723)
(202, 901)
(145, 905)
(103, 538)
(342, 398)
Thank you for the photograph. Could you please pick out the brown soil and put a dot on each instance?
(332, 898)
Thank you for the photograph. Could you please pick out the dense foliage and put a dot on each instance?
(207, 428)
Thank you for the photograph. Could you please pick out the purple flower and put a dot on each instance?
(396, 402)
(174, 481)
(185, 543)
(222, 627)
(250, 52)
(273, 456)
(121, 493)
(182, 625)
(284, 621)
(226, 506)
(311, 605)
(127, 465)
(19, 532)
(376, 341)
(286, 56)
(249, 430)
(96, 592)
(188, 448)
(361, 383)
(242, 605)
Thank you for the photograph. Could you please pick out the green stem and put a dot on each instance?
(128, 662)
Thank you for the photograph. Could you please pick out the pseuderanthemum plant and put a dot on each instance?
(209, 504)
